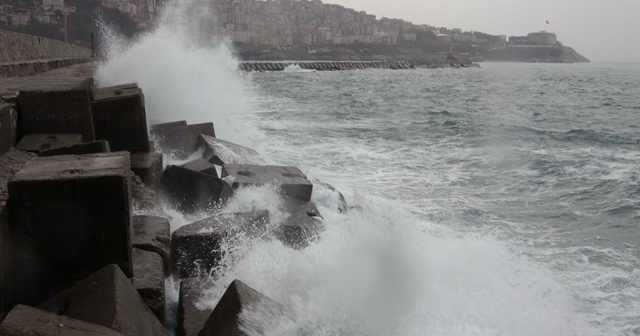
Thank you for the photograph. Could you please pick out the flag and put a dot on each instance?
(547, 21)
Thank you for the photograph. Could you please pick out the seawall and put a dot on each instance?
(23, 55)
(335, 66)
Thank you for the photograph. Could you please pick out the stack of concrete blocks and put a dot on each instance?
(67, 215)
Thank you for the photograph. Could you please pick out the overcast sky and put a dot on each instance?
(601, 30)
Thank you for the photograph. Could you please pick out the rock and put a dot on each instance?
(26, 321)
(7, 128)
(100, 146)
(237, 299)
(222, 152)
(56, 112)
(303, 225)
(201, 166)
(290, 179)
(148, 166)
(36, 143)
(107, 298)
(70, 216)
(119, 117)
(190, 318)
(193, 191)
(180, 141)
(196, 249)
(152, 233)
(148, 279)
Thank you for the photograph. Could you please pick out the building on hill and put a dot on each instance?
(543, 38)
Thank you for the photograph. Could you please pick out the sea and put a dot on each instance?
(500, 200)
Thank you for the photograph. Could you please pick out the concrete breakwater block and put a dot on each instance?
(152, 233)
(51, 112)
(290, 179)
(196, 249)
(10, 163)
(220, 152)
(180, 141)
(5, 261)
(100, 146)
(201, 166)
(25, 320)
(302, 226)
(239, 298)
(194, 191)
(190, 318)
(157, 127)
(119, 117)
(109, 299)
(37, 143)
(148, 166)
(69, 216)
(148, 279)
(7, 128)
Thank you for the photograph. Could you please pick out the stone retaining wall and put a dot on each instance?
(16, 47)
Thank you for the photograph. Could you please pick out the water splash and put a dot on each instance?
(184, 76)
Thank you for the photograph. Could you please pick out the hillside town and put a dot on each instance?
(257, 27)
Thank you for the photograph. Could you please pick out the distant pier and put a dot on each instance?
(347, 65)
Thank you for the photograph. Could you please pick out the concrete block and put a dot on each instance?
(196, 248)
(119, 117)
(168, 125)
(25, 320)
(194, 191)
(148, 279)
(5, 262)
(224, 320)
(109, 299)
(303, 225)
(201, 166)
(152, 233)
(180, 141)
(10, 163)
(7, 128)
(69, 216)
(220, 152)
(190, 318)
(36, 143)
(148, 166)
(290, 179)
(56, 112)
(94, 147)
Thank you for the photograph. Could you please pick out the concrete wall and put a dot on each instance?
(16, 47)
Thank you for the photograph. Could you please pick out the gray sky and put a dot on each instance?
(601, 30)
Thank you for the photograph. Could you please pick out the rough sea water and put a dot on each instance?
(502, 200)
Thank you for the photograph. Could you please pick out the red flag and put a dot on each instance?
(547, 21)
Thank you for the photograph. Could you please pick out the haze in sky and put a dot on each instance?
(600, 30)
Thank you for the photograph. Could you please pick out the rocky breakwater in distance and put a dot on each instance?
(85, 244)
(342, 65)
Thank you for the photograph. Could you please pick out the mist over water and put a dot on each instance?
(482, 197)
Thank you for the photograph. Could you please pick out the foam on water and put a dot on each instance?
(378, 269)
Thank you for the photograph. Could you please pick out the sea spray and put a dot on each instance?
(182, 77)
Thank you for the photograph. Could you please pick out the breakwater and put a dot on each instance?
(343, 65)
(85, 242)
(24, 55)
